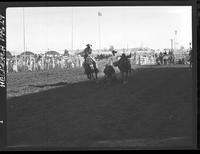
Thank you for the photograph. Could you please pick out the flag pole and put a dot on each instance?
(24, 36)
(175, 40)
(99, 28)
(23, 30)
(72, 28)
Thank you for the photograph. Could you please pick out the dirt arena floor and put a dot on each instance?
(60, 108)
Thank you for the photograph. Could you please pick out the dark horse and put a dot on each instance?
(109, 72)
(90, 70)
(124, 66)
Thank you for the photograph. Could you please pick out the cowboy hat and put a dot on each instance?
(88, 45)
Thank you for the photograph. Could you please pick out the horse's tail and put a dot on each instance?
(90, 60)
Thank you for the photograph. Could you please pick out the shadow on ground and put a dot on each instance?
(50, 85)
(156, 104)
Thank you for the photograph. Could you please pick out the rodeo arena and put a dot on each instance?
(89, 96)
(53, 85)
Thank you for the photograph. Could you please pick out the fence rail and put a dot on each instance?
(30, 63)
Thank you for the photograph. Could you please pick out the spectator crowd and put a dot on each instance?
(42, 62)
(37, 62)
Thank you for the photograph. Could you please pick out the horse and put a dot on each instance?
(109, 72)
(90, 70)
(124, 67)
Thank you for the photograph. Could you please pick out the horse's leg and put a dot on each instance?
(88, 76)
(92, 75)
(126, 77)
(96, 75)
(122, 74)
(130, 72)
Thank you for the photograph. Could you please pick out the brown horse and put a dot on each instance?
(90, 70)
(124, 66)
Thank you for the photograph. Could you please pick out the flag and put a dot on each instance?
(99, 14)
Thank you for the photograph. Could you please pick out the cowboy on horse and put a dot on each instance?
(89, 63)
(87, 52)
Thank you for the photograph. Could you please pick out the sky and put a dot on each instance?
(60, 28)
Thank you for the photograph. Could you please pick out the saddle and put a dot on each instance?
(89, 60)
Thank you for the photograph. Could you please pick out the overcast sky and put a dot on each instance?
(51, 28)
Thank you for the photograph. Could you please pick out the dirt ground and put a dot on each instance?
(62, 109)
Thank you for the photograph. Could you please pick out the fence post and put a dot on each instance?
(139, 59)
